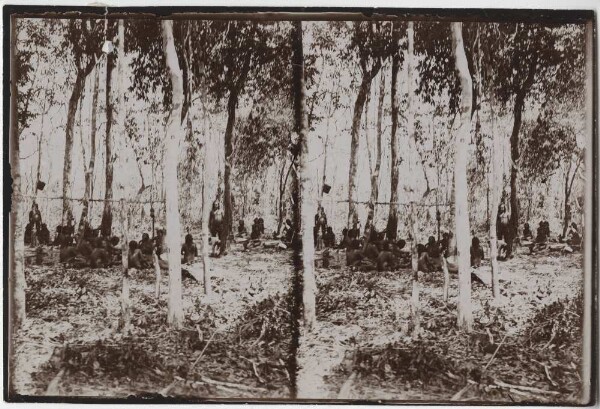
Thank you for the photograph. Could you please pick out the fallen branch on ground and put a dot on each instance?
(231, 385)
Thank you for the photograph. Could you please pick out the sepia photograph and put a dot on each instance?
(302, 205)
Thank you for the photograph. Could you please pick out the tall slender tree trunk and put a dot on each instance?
(282, 188)
(462, 230)
(514, 168)
(364, 89)
(375, 175)
(228, 211)
(205, 229)
(76, 94)
(106, 223)
(306, 201)
(174, 136)
(16, 252)
(588, 284)
(392, 225)
(493, 188)
(89, 175)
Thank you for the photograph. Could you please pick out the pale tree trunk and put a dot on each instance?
(375, 174)
(414, 304)
(40, 139)
(157, 276)
(124, 210)
(282, 188)
(494, 182)
(306, 203)
(89, 174)
(392, 225)
(125, 318)
(76, 94)
(325, 148)
(588, 286)
(174, 131)
(569, 179)
(16, 252)
(206, 207)
(462, 230)
(493, 187)
(106, 223)
(363, 91)
(493, 212)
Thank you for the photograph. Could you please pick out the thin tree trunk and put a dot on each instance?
(321, 192)
(227, 214)
(514, 169)
(90, 170)
(306, 204)
(282, 187)
(205, 227)
(392, 226)
(157, 275)
(125, 318)
(354, 145)
(462, 230)
(124, 209)
(16, 246)
(414, 302)
(588, 284)
(106, 223)
(375, 176)
(76, 94)
(493, 187)
(174, 131)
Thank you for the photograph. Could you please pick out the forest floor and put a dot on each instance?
(525, 347)
(234, 344)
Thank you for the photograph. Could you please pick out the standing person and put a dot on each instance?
(503, 229)
(216, 226)
(35, 220)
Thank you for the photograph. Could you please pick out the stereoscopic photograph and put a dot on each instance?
(300, 206)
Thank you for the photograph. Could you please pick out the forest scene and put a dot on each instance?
(383, 209)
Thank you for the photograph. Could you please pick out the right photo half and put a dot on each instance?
(444, 190)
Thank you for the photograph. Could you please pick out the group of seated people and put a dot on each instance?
(91, 250)
(375, 253)
(543, 238)
(382, 254)
(322, 233)
(36, 232)
(94, 250)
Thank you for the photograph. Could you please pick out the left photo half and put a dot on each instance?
(154, 225)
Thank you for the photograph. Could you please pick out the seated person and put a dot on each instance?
(146, 245)
(445, 243)
(159, 242)
(288, 231)
(542, 233)
(242, 229)
(573, 236)
(476, 253)
(256, 231)
(135, 257)
(431, 259)
(189, 251)
(44, 235)
(386, 259)
(329, 238)
(527, 233)
(345, 241)
(28, 230)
